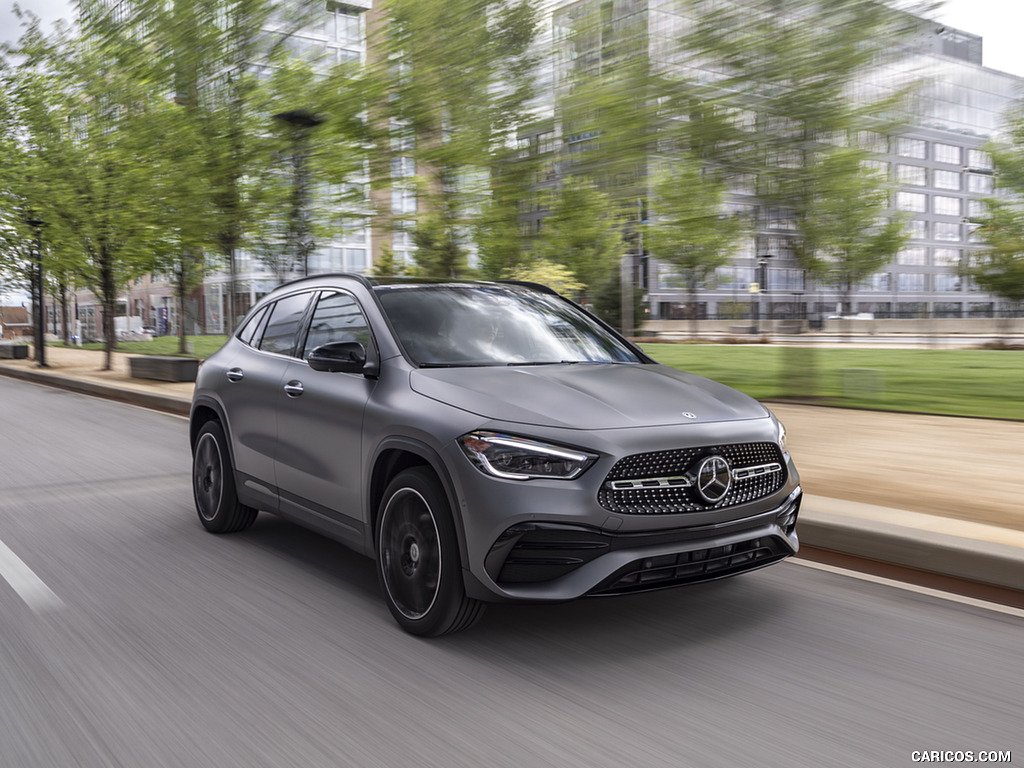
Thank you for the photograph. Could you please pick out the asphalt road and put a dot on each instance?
(130, 637)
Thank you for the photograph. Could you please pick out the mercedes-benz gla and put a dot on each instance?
(484, 442)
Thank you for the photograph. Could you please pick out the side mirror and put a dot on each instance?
(339, 357)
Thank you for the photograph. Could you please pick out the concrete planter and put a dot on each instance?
(163, 368)
(14, 351)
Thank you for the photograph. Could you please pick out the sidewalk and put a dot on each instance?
(938, 494)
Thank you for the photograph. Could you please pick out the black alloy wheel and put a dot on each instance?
(418, 558)
(213, 484)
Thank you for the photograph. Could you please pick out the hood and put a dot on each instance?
(586, 396)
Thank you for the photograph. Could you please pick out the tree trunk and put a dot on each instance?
(108, 300)
(182, 287)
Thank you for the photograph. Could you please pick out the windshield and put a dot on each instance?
(463, 325)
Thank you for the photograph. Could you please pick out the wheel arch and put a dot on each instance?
(205, 409)
(395, 455)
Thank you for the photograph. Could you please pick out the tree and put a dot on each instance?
(1000, 270)
(690, 229)
(74, 108)
(459, 76)
(554, 276)
(582, 234)
(787, 106)
(845, 215)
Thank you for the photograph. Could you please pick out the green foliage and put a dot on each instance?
(582, 234)
(690, 230)
(608, 303)
(781, 111)
(845, 210)
(458, 76)
(439, 251)
(554, 276)
(1000, 270)
(387, 265)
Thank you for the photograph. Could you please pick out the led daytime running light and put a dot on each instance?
(489, 449)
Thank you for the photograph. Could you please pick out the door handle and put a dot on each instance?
(293, 388)
(235, 374)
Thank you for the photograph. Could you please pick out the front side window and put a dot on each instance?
(285, 317)
(337, 317)
(470, 325)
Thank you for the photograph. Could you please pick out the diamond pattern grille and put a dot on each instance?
(684, 461)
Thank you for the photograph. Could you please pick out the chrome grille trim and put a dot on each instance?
(764, 469)
(677, 481)
(664, 482)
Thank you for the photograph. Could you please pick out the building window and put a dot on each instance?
(355, 259)
(976, 208)
(947, 309)
(947, 231)
(946, 257)
(912, 257)
(881, 281)
(917, 229)
(912, 201)
(947, 153)
(912, 282)
(403, 167)
(947, 282)
(913, 175)
(343, 25)
(947, 179)
(947, 206)
(403, 200)
(978, 159)
(915, 148)
(979, 184)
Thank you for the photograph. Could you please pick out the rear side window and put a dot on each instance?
(248, 331)
(285, 318)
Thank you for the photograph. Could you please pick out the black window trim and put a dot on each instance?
(307, 320)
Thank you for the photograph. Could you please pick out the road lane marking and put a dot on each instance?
(1009, 610)
(33, 590)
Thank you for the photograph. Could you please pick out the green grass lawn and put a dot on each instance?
(961, 382)
(968, 382)
(203, 346)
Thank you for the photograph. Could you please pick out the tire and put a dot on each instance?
(213, 484)
(418, 562)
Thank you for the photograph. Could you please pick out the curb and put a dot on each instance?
(166, 403)
(963, 557)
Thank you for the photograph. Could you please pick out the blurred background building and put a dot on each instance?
(938, 163)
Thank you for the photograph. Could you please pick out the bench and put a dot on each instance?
(163, 367)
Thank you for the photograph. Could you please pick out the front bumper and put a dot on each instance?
(553, 562)
(555, 540)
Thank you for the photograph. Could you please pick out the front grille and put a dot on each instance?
(691, 567)
(665, 482)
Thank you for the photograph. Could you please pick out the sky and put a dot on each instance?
(999, 22)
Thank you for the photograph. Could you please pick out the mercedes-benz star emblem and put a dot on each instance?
(714, 478)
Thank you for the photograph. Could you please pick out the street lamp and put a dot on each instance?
(300, 236)
(37, 294)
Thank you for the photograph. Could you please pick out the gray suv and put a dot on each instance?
(484, 442)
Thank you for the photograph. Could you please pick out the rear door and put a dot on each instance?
(252, 391)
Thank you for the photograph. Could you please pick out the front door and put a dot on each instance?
(319, 462)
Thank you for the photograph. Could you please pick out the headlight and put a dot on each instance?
(516, 458)
(782, 436)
